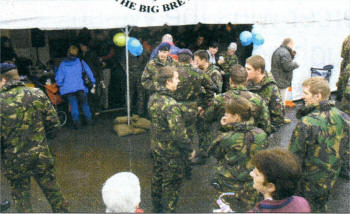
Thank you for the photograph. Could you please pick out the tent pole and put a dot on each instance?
(127, 73)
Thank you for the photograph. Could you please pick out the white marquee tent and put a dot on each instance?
(317, 26)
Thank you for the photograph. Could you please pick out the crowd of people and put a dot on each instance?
(231, 108)
(249, 111)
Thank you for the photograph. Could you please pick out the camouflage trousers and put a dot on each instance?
(345, 105)
(245, 196)
(205, 136)
(41, 167)
(168, 173)
(137, 94)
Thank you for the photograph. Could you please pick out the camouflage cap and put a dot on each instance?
(5, 67)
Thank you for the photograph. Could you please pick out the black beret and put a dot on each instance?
(185, 51)
(164, 46)
(5, 67)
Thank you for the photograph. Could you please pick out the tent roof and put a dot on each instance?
(104, 14)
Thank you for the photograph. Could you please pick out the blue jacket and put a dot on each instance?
(69, 76)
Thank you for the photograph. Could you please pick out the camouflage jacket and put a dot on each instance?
(233, 150)
(345, 103)
(260, 111)
(342, 82)
(269, 91)
(321, 142)
(194, 89)
(214, 73)
(345, 54)
(148, 78)
(228, 61)
(168, 133)
(194, 85)
(27, 116)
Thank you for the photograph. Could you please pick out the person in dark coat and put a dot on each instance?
(7, 52)
(282, 66)
(90, 57)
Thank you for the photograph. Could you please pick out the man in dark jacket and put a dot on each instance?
(90, 57)
(136, 67)
(282, 66)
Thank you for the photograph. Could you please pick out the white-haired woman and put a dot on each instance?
(122, 193)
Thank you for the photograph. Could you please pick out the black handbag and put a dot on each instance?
(86, 79)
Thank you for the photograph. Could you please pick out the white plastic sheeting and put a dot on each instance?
(103, 14)
(317, 44)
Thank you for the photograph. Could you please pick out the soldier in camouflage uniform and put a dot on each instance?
(227, 60)
(169, 142)
(344, 71)
(148, 78)
(233, 150)
(27, 116)
(262, 83)
(345, 102)
(194, 88)
(201, 59)
(136, 67)
(321, 142)
(238, 78)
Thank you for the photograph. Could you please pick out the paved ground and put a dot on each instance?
(86, 158)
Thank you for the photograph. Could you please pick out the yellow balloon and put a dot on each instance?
(119, 39)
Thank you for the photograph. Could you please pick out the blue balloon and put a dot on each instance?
(246, 38)
(134, 46)
(258, 39)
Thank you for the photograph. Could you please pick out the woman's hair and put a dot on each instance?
(122, 192)
(280, 167)
(73, 51)
(239, 105)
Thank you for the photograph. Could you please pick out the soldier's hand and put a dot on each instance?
(200, 110)
(193, 155)
(93, 90)
(223, 120)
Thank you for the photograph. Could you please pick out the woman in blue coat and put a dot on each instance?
(69, 79)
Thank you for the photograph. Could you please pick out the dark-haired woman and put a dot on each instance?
(233, 150)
